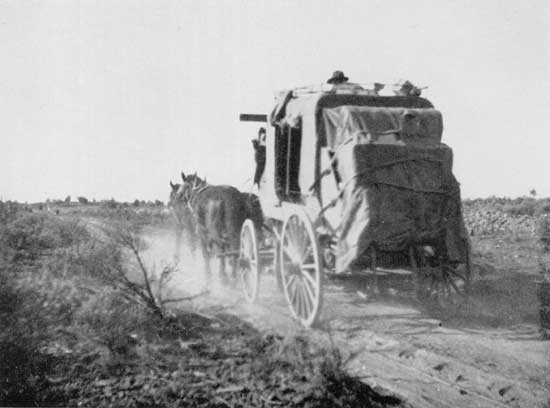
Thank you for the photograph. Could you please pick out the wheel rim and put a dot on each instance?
(301, 269)
(249, 262)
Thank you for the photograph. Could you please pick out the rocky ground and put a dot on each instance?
(486, 221)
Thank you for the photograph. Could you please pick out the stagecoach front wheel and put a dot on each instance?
(301, 272)
(249, 265)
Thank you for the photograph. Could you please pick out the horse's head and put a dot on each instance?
(191, 185)
(181, 210)
(178, 204)
(176, 194)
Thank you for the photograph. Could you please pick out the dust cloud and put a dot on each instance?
(189, 280)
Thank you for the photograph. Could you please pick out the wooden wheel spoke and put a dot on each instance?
(310, 279)
(309, 291)
(459, 275)
(306, 253)
(303, 241)
(453, 285)
(445, 289)
(308, 306)
(293, 235)
(298, 301)
(292, 293)
(308, 302)
(301, 249)
(289, 247)
(290, 281)
(286, 251)
(433, 284)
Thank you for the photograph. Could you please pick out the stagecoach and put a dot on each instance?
(355, 184)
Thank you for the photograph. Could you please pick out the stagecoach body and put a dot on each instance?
(365, 183)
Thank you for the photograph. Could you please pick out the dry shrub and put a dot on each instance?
(30, 235)
(525, 207)
(23, 367)
(543, 232)
(94, 259)
(36, 300)
(116, 322)
(8, 211)
(133, 277)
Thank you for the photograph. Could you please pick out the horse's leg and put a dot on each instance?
(220, 250)
(233, 261)
(206, 257)
(192, 244)
(192, 237)
(235, 214)
(234, 248)
(179, 233)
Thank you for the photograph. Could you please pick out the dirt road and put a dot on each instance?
(396, 345)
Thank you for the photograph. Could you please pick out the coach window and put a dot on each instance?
(288, 142)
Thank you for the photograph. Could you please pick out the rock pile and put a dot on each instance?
(485, 221)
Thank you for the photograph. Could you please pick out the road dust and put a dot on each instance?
(188, 277)
(188, 281)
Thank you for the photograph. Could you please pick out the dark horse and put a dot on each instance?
(213, 215)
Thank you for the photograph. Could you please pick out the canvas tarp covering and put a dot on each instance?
(370, 124)
(397, 194)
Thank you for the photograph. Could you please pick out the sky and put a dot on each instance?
(114, 98)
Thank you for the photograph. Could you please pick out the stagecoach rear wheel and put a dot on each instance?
(301, 272)
(249, 261)
(445, 285)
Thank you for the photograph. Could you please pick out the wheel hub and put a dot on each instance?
(294, 269)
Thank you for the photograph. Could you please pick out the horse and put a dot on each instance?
(184, 220)
(214, 214)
